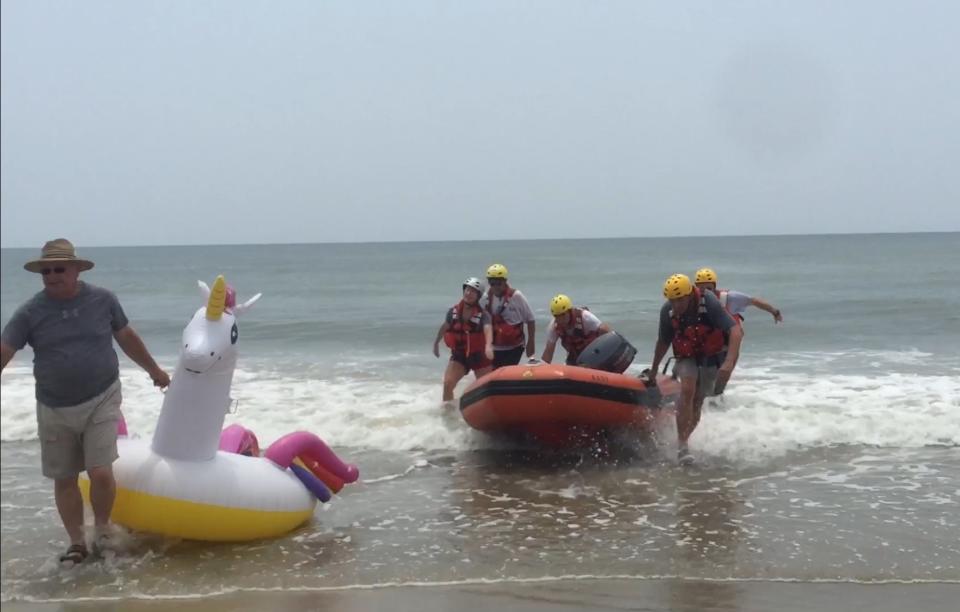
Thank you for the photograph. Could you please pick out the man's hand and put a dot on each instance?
(723, 373)
(488, 352)
(160, 378)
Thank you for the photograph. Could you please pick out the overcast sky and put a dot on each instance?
(196, 122)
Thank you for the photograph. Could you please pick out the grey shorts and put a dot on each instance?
(77, 438)
(706, 375)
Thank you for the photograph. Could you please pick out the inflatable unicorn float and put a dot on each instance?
(197, 482)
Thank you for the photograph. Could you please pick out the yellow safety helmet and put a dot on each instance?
(497, 271)
(705, 275)
(677, 286)
(560, 304)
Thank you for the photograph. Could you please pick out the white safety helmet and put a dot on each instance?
(474, 283)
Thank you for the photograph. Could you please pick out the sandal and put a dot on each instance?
(102, 543)
(75, 555)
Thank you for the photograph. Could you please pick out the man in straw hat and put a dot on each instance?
(71, 326)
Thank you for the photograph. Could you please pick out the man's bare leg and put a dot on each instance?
(66, 492)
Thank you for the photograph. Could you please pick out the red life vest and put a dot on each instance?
(700, 339)
(504, 334)
(573, 337)
(465, 336)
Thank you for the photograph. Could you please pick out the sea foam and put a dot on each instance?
(770, 409)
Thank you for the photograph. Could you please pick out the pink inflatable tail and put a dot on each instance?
(286, 449)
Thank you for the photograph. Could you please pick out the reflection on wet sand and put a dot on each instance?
(529, 508)
(708, 535)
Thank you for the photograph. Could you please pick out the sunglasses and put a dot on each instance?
(498, 281)
(47, 271)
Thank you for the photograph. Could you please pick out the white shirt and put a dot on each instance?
(517, 310)
(737, 302)
(590, 324)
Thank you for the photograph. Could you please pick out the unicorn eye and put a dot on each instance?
(234, 334)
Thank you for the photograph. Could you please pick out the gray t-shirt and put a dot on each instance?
(716, 315)
(72, 341)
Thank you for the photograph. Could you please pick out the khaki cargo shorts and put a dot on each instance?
(76, 438)
(706, 374)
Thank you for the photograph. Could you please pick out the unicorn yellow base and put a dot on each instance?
(228, 498)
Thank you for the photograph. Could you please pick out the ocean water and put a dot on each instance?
(834, 454)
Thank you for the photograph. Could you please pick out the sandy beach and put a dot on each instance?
(648, 595)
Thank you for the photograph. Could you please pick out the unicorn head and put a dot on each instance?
(209, 342)
(198, 398)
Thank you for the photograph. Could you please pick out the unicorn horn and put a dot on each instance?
(218, 297)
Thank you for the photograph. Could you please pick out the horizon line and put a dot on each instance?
(361, 242)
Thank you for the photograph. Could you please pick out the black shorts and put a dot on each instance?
(474, 361)
(507, 357)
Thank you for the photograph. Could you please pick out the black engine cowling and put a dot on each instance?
(610, 352)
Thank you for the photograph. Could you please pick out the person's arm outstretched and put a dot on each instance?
(764, 305)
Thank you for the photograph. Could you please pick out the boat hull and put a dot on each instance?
(560, 404)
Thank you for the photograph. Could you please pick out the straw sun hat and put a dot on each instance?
(57, 251)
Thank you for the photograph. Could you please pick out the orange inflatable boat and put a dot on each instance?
(563, 405)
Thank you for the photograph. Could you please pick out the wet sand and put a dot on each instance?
(841, 528)
(649, 595)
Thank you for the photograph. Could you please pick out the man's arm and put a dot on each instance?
(531, 338)
(733, 348)
(6, 354)
(547, 356)
(133, 346)
(658, 352)
(436, 341)
(733, 353)
(488, 340)
(764, 305)
(664, 338)
(15, 335)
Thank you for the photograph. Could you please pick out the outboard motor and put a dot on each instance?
(610, 352)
